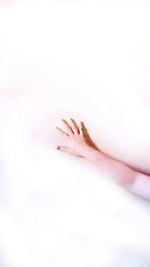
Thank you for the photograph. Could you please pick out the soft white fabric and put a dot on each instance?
(56, 210)
(141, 187)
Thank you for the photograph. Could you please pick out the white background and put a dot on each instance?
(91, 61)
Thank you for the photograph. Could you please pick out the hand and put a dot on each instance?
(79, 141)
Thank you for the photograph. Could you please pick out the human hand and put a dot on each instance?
(78, 139)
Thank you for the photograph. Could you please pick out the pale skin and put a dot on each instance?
(80, 144)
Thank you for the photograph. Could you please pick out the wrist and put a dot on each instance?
(93, 155)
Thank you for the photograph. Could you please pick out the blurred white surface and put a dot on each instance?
(88, 61)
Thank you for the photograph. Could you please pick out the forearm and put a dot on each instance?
(135, 182)
(119, 172)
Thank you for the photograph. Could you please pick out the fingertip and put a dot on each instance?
(57, 130)
(81, 123)
(72, 119)
(58, 147)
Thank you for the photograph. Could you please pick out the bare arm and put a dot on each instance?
(81, 145)
(135, 182)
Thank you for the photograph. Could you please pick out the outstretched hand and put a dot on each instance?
(78, 139)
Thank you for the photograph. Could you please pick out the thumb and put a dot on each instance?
(69, 151)
(63, 148)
